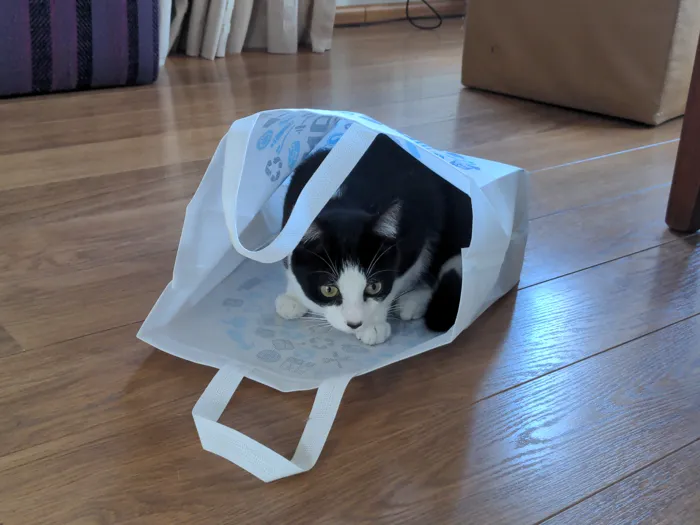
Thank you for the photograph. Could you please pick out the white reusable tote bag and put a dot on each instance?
(219, 309)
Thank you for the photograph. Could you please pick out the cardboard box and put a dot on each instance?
(625, 58)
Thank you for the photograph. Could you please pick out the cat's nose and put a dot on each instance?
(354, 326)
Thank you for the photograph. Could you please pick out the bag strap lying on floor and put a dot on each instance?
(261, 461)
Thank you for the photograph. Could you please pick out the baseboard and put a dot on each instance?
(370, 14)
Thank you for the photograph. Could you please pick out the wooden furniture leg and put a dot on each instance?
(683, 213)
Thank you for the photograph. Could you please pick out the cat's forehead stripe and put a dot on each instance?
(352, 280)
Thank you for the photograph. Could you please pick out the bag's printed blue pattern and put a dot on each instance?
(288, 137)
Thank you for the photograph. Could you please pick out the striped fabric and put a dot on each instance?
(60, 45)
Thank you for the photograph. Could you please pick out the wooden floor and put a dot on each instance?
(575, 400)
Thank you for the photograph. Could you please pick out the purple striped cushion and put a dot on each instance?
(59, 45)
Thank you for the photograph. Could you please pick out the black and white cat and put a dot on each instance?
(389, 239)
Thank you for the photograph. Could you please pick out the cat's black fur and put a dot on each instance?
(431, 211)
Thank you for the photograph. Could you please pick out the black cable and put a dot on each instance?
(413, 20)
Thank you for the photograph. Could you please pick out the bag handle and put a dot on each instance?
(340, 161)
(261, 461)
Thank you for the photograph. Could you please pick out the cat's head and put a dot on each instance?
(346, 265)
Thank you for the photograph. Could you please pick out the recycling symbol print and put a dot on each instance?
(273, 169)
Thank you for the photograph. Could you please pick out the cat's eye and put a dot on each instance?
(329, 291)
(373, 288)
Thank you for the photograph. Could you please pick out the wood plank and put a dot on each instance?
(85, 160)
(184, 107)
(447, 118)
(59, 248)
(114, 237)
(612, 175)
(537, 137)
(551, 325)
(86, 382)
(561, 145)
(541, 329)
(568, 242)
(597, 181)
(485, 463)
(8, 346)
(198, 138)
(86, 198)
(664, 493)
(489, 118)
(592, 212)
(539, 443)
(535, 332)
(45, 310)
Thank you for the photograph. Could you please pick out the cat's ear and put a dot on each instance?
(313, 233)
(388, 223)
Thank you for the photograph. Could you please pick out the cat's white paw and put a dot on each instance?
(412, 305)
(374, 334)
(289, 308)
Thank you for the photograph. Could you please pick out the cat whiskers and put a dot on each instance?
(327, 261)
(317, 323)
(314, 319)
(324, 272)
(331, 264)
(393, 316)
(393, 312)
(376, 258)
(395, 307)
(372, 275)
(318, 326)
(395, 303)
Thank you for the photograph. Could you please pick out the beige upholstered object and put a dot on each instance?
(626, 58)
